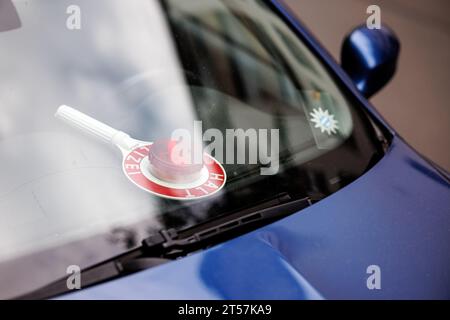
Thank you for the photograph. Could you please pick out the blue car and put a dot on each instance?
(310, 194)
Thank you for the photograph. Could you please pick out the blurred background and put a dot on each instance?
(417, 102)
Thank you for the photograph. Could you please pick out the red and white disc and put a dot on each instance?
(210, 179)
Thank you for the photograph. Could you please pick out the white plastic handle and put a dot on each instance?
(92, 126)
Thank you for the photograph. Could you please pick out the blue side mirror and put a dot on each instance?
(369, 56)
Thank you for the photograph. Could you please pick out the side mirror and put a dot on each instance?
(369, 56)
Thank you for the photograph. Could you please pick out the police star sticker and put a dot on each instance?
(324, 121)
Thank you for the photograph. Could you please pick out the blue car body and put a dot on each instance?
(396, 216)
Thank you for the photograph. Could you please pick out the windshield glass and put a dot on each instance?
(148, 69)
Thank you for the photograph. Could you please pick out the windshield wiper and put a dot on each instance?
(168, 244)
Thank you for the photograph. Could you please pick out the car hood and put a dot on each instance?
(396, 216)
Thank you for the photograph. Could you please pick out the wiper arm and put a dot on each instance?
(167, 244)
(171, 244)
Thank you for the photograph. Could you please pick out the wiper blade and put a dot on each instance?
(171, 244)
(168, 244)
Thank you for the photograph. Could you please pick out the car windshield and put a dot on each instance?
(148, 68)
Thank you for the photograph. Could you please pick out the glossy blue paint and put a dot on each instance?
(396, 216)
(370, 57)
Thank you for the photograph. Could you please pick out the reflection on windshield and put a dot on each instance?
(46, 167)
(9, 19)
